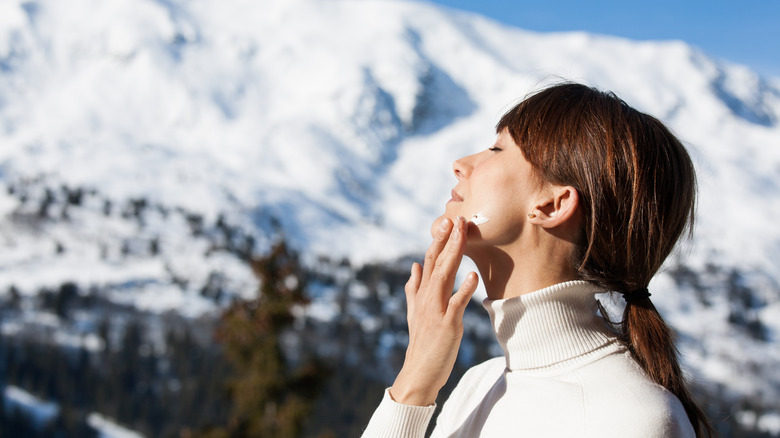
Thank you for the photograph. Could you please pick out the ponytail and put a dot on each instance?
(652, 343)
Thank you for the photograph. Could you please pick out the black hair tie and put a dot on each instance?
(636, 295)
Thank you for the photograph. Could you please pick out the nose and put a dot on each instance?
(462, 167)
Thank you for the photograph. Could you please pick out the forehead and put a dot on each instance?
(505, 138)
(514, 157)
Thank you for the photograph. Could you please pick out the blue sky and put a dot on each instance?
(745, 31)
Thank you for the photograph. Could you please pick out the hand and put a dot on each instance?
(435, 317)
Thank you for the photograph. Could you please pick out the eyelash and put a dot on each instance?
(494, 149)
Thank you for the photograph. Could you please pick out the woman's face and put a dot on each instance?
(500, 184)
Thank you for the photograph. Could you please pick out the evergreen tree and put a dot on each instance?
(271, 395)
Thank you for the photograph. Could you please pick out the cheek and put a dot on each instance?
(498, 213)
(479, 218)
(494, 204)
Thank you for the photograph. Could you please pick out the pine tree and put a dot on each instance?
(271, 396)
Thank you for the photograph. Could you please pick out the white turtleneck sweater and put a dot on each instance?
(563, 374)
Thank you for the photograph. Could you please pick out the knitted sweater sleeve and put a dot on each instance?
(395, 420)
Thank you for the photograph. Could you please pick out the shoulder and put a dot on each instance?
(620, 397)
(476, 385)
(490, 369)
(477, 380)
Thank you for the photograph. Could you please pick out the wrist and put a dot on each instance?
(407, 393)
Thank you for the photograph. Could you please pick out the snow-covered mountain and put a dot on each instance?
(143, 144)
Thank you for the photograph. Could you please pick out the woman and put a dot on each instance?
(579, 195)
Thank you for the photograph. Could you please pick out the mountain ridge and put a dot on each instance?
(156, 140)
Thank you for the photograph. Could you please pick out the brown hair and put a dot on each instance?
(637, 190)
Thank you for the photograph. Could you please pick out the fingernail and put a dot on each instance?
(444, 225)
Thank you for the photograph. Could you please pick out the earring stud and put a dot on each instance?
(531, 215)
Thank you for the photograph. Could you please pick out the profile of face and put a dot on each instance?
(501, 185)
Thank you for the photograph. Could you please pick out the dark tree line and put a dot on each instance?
(155, 395)
(259, 370)
(265, 367)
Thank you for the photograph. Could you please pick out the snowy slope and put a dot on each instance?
(337, 122)
(43, 412)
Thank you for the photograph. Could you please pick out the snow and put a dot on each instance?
(108, 429)
(769, 423)
(41, 412)
(145, 100)
(337, 122)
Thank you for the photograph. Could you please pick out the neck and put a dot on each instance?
(554, 327)
(507, 273)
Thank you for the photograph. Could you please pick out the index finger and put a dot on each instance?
(449, 260)
(432, 254)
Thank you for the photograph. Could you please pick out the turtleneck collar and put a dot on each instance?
(552, 327)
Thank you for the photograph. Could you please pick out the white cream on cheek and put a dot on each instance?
(478, 218)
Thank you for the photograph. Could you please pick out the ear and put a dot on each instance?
(556, 208)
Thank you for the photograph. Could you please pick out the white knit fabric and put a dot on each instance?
(563, 374)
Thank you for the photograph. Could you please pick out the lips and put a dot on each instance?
(455, 196)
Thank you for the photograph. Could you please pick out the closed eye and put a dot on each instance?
(494, 149)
